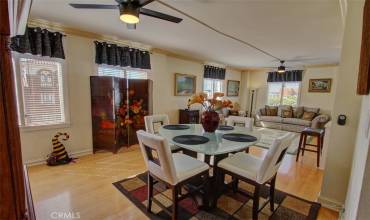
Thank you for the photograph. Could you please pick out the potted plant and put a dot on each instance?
(210, 118)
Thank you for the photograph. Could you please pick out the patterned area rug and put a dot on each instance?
(230, 205)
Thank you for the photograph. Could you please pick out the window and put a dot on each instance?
(40, 92)
(104, 70)
(283, 93)
(211, 86)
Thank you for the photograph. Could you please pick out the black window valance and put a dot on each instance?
(114, 55)
(288, 76)
(40, 42)
(213, 72)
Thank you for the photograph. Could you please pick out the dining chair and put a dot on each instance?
(233, 120)
(256, 171)
(173, 169)
(150, 126)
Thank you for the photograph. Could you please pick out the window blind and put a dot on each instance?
(121, 72)
(42, 92)
(134, 74)
(111, 71)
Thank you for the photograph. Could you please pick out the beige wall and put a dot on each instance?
(258, 80)
(80, 55)
(342, 138)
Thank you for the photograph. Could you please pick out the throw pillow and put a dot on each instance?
(308, 116)
(298, 112)
(287, 113)
(283, 107)
(271, 110)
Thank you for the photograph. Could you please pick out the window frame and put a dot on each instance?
(19, 93)
(281, 92)
(125, 69)
(213, 85)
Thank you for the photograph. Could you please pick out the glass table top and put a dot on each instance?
(216, 144)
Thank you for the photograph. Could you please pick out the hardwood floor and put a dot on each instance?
(84, 189)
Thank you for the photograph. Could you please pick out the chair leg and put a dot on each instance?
(256, 201)
(235, 183)
(174, 202)
(150, 192)
(247, 150)
(299, 147)
(318, 151)
(272, 193)
(218, 186)
(304, 144)
(206, 191)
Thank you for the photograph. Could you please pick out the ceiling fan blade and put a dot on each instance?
(144, 2)
(93, 6)
(159, 15)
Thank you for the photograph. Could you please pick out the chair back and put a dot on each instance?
(158, 157)
(152, 120)
(274, 157)
(239, 120)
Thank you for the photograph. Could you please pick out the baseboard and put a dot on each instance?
(72, 154)
(331, 204)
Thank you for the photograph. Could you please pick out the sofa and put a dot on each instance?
(288, 118)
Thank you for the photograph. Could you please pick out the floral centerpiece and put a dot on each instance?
(210, 118)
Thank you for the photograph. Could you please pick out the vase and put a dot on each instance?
(210, 121)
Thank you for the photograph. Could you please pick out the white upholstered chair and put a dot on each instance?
(233, 120)
(173, 169)
(154, 121)
(256, 171)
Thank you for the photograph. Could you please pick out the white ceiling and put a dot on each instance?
(289, 29)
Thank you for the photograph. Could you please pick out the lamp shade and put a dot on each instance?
(129, 13)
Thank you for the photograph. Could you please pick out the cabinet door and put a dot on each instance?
(103, 112)
(138, 95)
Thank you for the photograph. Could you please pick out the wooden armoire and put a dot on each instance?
(118, 107)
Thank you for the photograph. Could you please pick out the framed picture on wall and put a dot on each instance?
(319, 85)
(233, 88)
(185, 84)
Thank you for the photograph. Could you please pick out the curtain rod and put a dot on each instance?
(218, 31)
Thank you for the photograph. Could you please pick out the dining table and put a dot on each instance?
(194, 141)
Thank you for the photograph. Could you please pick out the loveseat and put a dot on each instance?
(288, 118)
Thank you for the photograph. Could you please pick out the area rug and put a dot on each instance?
(230, 205)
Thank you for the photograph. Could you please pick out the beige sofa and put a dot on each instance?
(295, 123)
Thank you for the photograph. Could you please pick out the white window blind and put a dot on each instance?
(111, 71)
(136, 74)
(121, 72)
(42, 96)
(211, 86)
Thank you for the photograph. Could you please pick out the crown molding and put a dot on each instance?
(35, 22)
(321, 65)
(55, 26)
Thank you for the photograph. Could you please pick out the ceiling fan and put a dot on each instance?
(282, 67)
(129, 11)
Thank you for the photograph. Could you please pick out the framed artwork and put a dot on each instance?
(233, 88)
(185, 84)
(319, 85)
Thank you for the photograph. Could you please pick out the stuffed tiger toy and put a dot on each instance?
(59, 154)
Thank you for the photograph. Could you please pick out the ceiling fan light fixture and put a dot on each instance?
(281, 69)
(129, 13)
